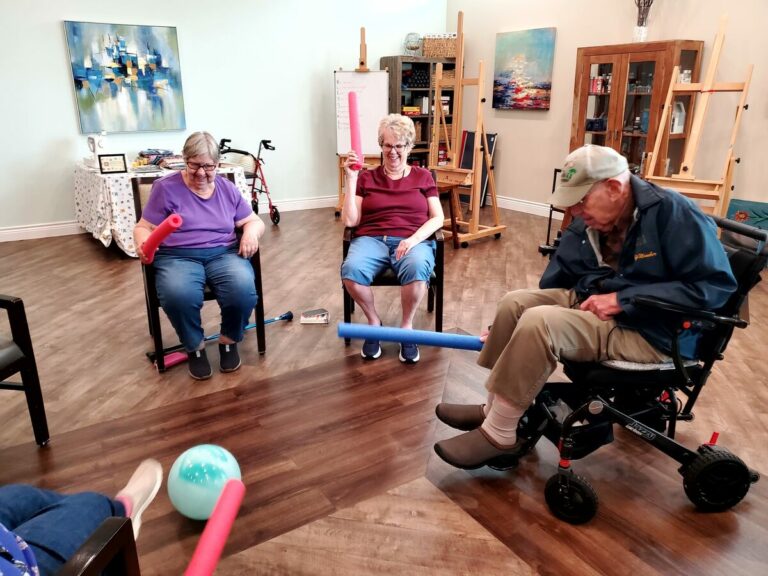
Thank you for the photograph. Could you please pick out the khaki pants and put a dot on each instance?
(533, 329)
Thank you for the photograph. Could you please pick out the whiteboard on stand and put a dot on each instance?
(372, 90)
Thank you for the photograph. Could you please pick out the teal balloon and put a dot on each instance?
(197, 478)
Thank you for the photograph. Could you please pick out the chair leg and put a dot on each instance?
(157, 337)
(261, 338)
(35, 404)
(439, 306)
(430, 298)
(348, 309)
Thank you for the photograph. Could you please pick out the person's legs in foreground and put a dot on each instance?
(232, 278)
(56, 525)
(180, 280)
(540, 328)
(367, 257)
(413, 271)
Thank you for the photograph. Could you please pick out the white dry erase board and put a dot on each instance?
(372, 90)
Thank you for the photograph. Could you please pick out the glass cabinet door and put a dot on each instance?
(599, 103)
(640, 113)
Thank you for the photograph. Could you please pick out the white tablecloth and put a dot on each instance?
(104, 203)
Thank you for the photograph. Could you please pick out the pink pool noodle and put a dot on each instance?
(354, 130)
(167, 226)
(211, 543)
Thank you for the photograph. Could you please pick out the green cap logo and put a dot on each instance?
(568, 175)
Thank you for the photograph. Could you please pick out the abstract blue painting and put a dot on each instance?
(522, 74)
(127, 78)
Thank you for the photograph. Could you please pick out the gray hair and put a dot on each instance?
(201, 144)
(402, 126)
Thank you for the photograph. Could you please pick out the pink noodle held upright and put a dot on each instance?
(354, 130)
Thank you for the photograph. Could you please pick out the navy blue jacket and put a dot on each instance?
(671, 252)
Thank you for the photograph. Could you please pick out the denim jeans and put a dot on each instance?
(370, 255)
(54, 525)
(181, 276)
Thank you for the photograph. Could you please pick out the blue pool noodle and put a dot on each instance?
(424, 337)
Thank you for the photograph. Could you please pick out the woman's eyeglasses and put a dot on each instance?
(194, 166)
(398, 147)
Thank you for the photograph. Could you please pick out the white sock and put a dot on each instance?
(488, 403)
(500, 424)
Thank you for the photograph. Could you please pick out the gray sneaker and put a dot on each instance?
(199, 367)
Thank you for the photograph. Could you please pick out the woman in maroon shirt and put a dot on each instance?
(394, 211)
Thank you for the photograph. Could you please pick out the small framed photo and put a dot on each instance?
(112, 164)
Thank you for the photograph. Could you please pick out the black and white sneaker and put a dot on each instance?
(409, 353)
(229, 357)
(199, 367)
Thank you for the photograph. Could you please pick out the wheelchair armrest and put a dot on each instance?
(110, 546)
(684, 311)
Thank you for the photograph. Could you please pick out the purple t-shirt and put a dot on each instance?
(207, 223)
(394, 207)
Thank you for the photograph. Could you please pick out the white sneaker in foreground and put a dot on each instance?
(142, 489)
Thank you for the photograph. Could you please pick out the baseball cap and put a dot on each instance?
(584, 167)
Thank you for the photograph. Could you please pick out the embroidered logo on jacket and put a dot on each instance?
(643, 255)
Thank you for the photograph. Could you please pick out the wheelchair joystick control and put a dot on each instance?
(595, 407)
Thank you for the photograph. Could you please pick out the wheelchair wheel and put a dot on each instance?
(716, 479)
(274, 215)
(571, 498)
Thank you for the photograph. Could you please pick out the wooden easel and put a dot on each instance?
(451, 176)
(713, 195)
(369, 160)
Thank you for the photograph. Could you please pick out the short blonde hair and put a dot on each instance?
(200, 144)
(401, 126)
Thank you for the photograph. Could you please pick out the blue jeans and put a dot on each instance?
(182, 274)
(54, 525)
(370, 255)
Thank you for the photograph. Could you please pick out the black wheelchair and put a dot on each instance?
(647, 400)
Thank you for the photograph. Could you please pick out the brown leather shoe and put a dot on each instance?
(474, 450)
(460, 416)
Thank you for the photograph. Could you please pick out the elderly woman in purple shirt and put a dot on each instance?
(204, 250)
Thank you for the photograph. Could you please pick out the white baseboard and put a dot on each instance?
(32, 231)
(528, 207)
(298, 204)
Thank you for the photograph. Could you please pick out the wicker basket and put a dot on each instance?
(449, 79)
(439, 46)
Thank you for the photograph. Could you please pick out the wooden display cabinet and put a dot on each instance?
(619, 94)
(411, 84)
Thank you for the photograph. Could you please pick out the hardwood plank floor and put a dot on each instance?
(340, 433)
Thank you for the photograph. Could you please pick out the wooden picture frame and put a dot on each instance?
(112, 164)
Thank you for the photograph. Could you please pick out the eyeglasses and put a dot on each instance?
(194, 167)
(389, 147)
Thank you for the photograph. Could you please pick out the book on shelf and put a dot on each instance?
(317, 316)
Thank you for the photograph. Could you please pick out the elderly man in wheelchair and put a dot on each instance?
(638, 302)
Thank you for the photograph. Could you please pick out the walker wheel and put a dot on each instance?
(465, 244)
(497, 235)
(571, 498)
(716, 479)
(274, 215)
(255, 206)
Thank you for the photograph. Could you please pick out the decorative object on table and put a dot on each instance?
(522, 74)
(640, 33)
(127, 78)
(412, 44)
(112, 164)
(97, 145)
(317, 316)
(749, 212)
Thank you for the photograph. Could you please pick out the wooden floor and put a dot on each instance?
(337, 453)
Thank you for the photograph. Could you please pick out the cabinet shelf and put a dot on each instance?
(599, 93)
(634, 134)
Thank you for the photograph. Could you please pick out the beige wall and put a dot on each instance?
(532, 143)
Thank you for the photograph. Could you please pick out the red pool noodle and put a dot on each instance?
(211, 543)
(354, 130)
(167, 226)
